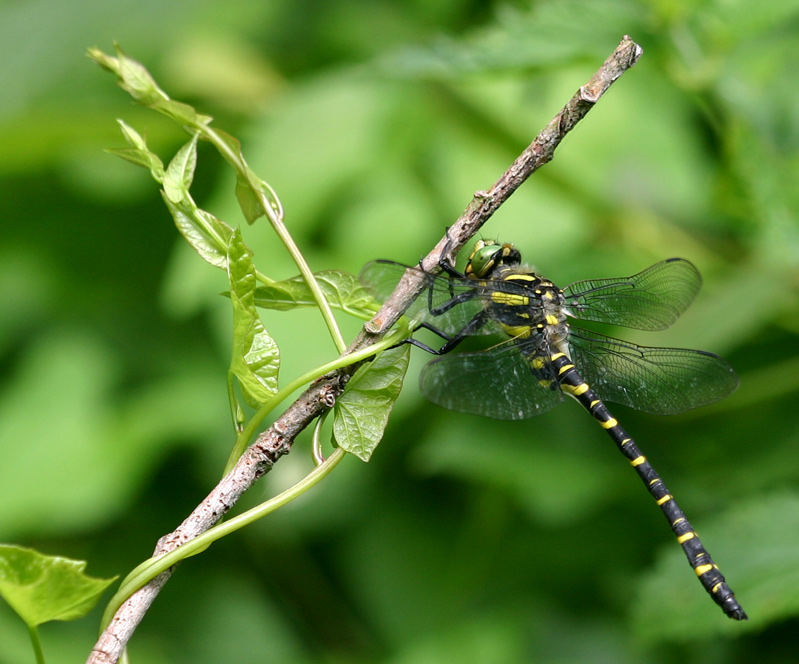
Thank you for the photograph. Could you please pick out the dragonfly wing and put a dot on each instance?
(380, 277)
(662, 381)
(497, 382)
(650, 300)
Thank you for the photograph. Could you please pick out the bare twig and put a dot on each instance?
(485, 203)
(278, 438)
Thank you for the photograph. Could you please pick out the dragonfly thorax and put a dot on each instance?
(525, 304)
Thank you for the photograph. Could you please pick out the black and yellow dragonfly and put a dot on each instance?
(544, 357)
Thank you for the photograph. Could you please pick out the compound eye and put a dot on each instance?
(483, 259)
(487, 254)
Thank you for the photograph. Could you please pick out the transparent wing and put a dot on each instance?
(662, 381)
(497, 382)
(650, 300)
(381, 277)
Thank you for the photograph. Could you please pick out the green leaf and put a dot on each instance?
(138, 152)
(180, 112)
(248, 184)
(42, 588)
(255, 361)
(180, 172)
(245, 177)
(361, 413)
(138, 82)
(207, 235)
(132, 75)
(341, 289)
(253, 192)
(756, 545)
(248, 200)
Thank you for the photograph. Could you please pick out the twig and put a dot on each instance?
(278, 438)
(485, 203)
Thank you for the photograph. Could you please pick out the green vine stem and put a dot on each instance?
(274, 213)
(152, 567)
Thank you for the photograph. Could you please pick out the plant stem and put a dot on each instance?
(280, 228)
(151, 568)
(33, 632)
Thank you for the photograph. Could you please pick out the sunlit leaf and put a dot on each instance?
(138, 82)
(180, 172)
(362, 411)
(138, 152)
(207, 235)
(133, 76)
(248, 200)
(255, 359)
(248, 184)
(41, 588)
(180, 112)
(245, 194)
(341, 289)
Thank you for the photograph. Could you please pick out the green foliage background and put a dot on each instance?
(463, 539)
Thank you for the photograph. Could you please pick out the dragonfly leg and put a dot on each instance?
(444, 307)
(436, 331)
(480, 319)
(424, 346)
(469, 329)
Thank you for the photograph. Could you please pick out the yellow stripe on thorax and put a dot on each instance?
(517, 331)
(510, 299)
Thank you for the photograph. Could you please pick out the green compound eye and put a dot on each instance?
(487, 255)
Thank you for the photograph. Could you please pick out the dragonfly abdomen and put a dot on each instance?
(706, 570)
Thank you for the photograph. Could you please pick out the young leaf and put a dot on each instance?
(132, 75)
(180, 172)
(138, 152)
(207, 235)
(341, 289)
(181, 113)
(255, 361)
(248, 201)
(136, 80)
(42, 588)
(361, 413)
(248, 184)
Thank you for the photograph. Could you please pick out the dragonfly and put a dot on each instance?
(545, 356)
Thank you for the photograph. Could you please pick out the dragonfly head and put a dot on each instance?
(487, 255)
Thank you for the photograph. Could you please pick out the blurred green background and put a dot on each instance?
(464, 539)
